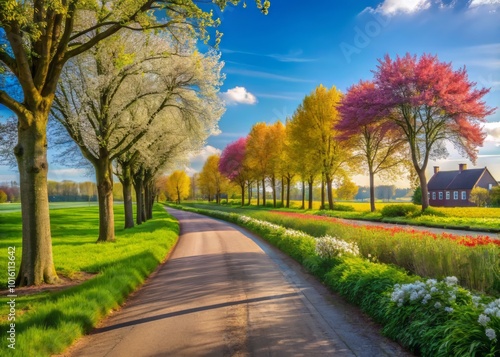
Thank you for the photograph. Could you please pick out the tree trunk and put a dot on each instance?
(263, 191)
(126, 180)
(282, 191)
(258, 193)
(372, 191)
(138, 200)
(329, 190)
(288, 192)
(242, 194)
(322, 193)
(273, 183)
(249, 193)
(148, 200)
(104, 179)
(303, 195)
(423, 187)
(311, 181)
(37, 266)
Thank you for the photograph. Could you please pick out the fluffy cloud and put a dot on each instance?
(493, 132)
(238, 95)
(476, 3)
(393, 7)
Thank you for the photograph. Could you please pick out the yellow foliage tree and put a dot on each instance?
(211, 181)
(178, 186)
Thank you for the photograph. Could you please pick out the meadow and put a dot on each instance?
(48, 322)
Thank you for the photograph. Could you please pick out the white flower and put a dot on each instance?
(448, 309)
(451, 280)
(490, 333)
(483, 319)
(437, 305)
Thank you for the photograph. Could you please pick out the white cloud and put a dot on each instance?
(492, 130)
(238, 95)
(393, 7)
(476, 3)
(202, 155)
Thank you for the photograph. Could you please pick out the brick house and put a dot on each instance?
(452, 188)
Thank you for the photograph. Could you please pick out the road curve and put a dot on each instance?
(224, 292)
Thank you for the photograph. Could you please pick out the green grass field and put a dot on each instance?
(47, 323)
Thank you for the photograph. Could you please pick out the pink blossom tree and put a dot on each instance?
(429, 103)
(232, 164)
(381, 147)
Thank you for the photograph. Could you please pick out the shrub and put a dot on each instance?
(399, 210)
(429, 211)
(3, 197)
(417, 196)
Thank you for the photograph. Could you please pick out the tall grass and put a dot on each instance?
(47, 323)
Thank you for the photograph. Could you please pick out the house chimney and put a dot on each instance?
(462, 167)
(436, 169)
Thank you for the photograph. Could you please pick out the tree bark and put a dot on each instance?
(104, 179)
(263, 191)
(126, 180)
(288, 192)
(273, 183)
(329, 190)
(423, 187)
(258, 193)
(37, 266)
(242, 194)
(138, 183)
(372, 191)
(249, 193)
(322, 193)
(311, 181)
(282, 191)
(303, 195)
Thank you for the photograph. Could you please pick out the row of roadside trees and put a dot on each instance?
(110, 73)
(399, 120)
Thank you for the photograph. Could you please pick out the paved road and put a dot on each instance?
(223, 292)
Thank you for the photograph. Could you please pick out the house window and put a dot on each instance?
(490, 186)
(440, 195)
(434, 195)
(447, 195)
(455, 195)
(464, 195)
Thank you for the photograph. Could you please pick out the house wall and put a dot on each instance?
(450, 202)
(486, 180)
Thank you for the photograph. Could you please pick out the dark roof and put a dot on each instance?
(455, 180)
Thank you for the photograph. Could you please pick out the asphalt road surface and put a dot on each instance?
(224, 292)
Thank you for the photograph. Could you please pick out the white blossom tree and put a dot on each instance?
(110, 97)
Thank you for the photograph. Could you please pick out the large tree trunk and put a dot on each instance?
(263, 191)
(372, 191)
(329, 190)
(423, 187)
(139, 204)
(104, 178)
(126, 180)
(148, 200)
(37, 266)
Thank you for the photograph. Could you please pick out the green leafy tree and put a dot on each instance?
(480, 196)
(417, 196)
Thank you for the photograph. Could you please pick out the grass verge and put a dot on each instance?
(47, 323)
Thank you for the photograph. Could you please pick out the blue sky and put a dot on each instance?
(273, 61)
